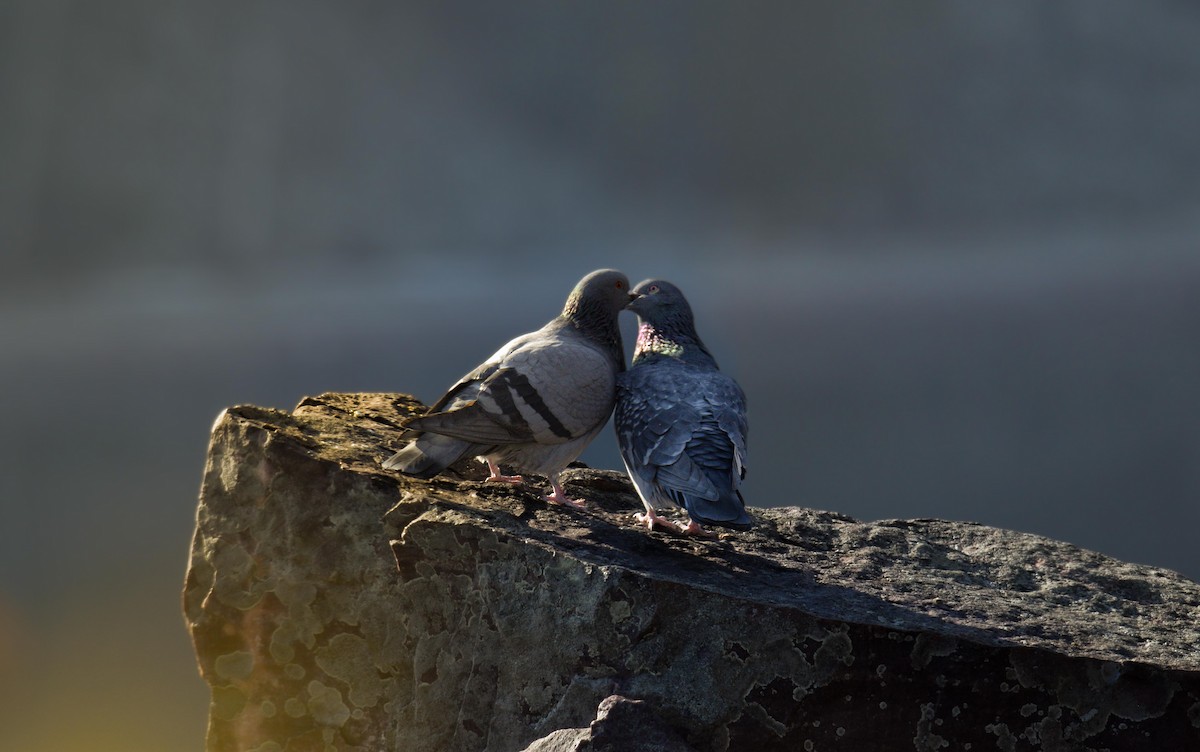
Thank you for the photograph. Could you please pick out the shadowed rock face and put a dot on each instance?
(334, 603)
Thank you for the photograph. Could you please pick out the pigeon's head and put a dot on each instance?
(658, 301)
(602, 293)
(665, 323)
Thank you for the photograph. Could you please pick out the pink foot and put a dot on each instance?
(558, 496)
(652, 520)
(497, 477)
(693, 528)
(562, 500)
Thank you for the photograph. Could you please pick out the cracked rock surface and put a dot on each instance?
(336, 605)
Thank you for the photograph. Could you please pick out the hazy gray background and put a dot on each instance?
(951, 251)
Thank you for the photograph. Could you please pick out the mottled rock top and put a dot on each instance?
(959, 579)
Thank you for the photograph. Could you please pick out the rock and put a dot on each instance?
(336, 605)
(621, 725)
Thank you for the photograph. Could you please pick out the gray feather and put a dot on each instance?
(428, 455)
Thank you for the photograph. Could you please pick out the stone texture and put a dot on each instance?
(621, 725)
(334, 605)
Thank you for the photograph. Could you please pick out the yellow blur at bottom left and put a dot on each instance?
(104, 667)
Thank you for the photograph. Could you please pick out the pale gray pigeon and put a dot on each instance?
(537, 402)
(680, 422)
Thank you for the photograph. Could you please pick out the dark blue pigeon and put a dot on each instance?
(680, 422)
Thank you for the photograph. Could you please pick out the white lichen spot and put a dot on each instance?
(954, 711)
(1033, 734)
(267, 708)
(1028, 709)
(840, 731)
(1005, 741)
(293, 707)
(620, 611)
(882, 705)
(925, 738)
(808, 745)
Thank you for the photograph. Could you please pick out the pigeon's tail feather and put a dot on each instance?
(728, 510)
(428, 455)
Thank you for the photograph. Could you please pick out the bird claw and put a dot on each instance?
(562, 500)
(652, 521)
(693, 529)
(513, 479)
(498, 477)
(558, 496)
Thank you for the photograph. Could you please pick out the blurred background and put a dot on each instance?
(951, 251)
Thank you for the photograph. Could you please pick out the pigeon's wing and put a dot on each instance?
(545, 390)
(463, 393)
(468, 386)
(682, 429)
(655, 419)
(727, 402)
(632, 417)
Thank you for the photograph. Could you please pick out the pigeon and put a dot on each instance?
(537, 402)
(680, 422)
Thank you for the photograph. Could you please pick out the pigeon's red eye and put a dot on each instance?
(620, 285)
(653, 288)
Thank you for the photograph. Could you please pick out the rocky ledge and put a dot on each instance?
(336, 605)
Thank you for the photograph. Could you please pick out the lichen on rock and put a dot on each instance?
(335, 605)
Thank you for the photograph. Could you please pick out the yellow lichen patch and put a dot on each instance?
(234, 584)
(325, 704)
(301, 624)
(234, 666)
(294, 707)
(346, 657)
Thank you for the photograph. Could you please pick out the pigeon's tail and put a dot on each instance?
(727, 511)
(428, 455)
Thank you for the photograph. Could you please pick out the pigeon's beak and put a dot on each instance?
(633, 298)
